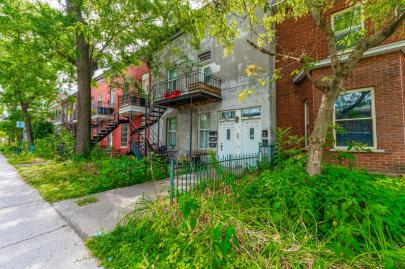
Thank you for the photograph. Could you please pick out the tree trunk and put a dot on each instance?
(318, 136)
(83, 135)
(28, 124)
(83, 73)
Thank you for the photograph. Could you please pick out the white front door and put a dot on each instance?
(226, 138)
(250, 136)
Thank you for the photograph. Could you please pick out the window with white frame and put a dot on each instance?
(171, 132)
(348, 27)
(100, 101)
(124, 135)
(145, 83)
(203, 130)
(112, 97)
(171, 79)
(355, 119)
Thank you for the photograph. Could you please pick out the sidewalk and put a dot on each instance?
(32, 233)
(112, 206)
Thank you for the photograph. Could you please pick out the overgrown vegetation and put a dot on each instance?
(60, 176)
(282, 219)
(59, 180)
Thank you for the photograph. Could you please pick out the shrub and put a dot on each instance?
(284, 219)
(288, 147)
(357, 211)
(127, 170)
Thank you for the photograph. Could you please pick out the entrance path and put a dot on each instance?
(32, 233)
(111, 207)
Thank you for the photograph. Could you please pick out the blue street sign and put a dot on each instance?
(20, 124)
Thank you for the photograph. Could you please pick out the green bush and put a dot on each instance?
(359, 212)
(283, 219)
(125, 170)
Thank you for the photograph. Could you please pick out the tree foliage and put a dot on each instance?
(382, 18)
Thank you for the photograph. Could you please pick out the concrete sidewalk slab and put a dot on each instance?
(111, 207)
(32, 233)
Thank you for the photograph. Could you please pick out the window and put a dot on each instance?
(124, 135)
(171, 132)
(354, 114)
(348, 26)
(145, 83)
(306, 122)
(206, 70)
(204, 57)
(251, 112)
(227, 115)
(100, 101)
(171, 77)
(110, 141)
(252, 133)
(203, 131)
(112, 100)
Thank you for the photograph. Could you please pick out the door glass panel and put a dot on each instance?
(252, 133)
(228, 134)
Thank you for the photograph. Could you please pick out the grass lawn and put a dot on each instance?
(282, 219)
(59, 180)
(62, 180)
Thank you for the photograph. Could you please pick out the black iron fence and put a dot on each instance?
(187, 175)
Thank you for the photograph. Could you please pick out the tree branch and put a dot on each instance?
(271, 53)
(322, 23)
(370, 42)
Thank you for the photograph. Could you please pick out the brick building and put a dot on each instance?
(371, 110)
(108, 98)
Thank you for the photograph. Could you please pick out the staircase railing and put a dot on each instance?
(139, 141)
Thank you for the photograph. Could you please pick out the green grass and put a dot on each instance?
(62, 180)
(86, 200)
(273, 221)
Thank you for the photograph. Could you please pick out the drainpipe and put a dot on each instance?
(191, 127)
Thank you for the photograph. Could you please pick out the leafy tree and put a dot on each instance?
(107, 34)
(385, 17)
(27, 78)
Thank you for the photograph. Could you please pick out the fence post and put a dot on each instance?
(171, 181)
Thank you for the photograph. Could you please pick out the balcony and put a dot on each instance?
(100, 112)
(131, 103)
(191, 88)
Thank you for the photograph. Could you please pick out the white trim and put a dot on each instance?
(383, 49)
(171, 131)
(374, 148)
(306, 122)
(208, 114)
(347, 30)
(367, 150)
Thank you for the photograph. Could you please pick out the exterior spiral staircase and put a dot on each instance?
(143, 138)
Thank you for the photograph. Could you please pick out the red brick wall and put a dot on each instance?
(385, 73)
(103, 89)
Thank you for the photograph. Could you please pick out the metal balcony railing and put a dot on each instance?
(186, 84)
(102, 110)
(131, 99)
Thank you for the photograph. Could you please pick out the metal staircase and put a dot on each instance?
(103, 128)
(143, 138)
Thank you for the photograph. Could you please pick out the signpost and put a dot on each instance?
(21, 125)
